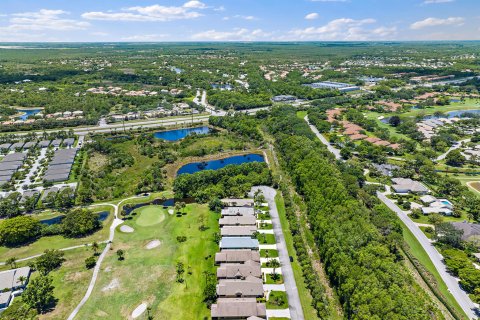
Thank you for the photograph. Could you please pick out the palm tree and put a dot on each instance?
(120, 254)
(22, 280)
(274, 264)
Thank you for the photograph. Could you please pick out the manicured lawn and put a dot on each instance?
(301, 114)
(150, 215)
(264, 216)
(469, 104)
(428, 234)
(264, 238)
(149, 275)
(55, 242)
(305, 297)
(420, 254)
(269, 279)
(272, 253)
(424, 218)
(266, 226)
(277, 300)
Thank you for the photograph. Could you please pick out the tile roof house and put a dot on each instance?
(236, 288)
(402, 185)
(238, 221)
(236, 256)
(238, 231)
(239, 271)
(237, 308)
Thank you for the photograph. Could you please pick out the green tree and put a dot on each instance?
(120, 254)
(95, 247)
(455, 158)
(12, 262)
(49, 261)
(90, 262)
(39, 294)
(19, 230)
(79, 223)
(19, 310)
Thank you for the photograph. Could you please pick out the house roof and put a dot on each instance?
(237, 211)
(469, 229)
(238, 270)
(428, 199)
(409, 185)
(232, 231)
(238, 307)
(238, 243)
(250, 287)
(237, 256)
(238, 221)
(238, 202)
(10, 279)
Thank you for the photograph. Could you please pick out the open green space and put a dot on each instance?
(265, 238)
(150, 215)
(270, 279)
(469, 104)
(269, 253)
(149, 275)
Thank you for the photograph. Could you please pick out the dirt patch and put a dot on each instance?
(101, 314)
(74, 276)
(97, 161)
(153, 244)
(112, 285)
(126, 229)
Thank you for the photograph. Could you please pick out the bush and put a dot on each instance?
(19, 230)
(90, 262)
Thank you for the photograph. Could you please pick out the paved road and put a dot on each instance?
(296, 311)
(453, 287)
(330, 148)
(454, 147)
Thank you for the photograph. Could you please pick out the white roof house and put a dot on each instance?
(402, 185)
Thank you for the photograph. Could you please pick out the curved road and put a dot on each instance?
(454, 147)
(294, 304)
(330, 148)
(452, 283)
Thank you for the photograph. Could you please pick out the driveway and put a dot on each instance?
(454, 147)
(296, 311)
(330, 148)
(452, 283)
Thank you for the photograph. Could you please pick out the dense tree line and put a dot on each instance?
(238, 100)
(358, 245)
(238, 123)
(231, 181)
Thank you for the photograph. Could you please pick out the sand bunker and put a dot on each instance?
(126, 229)
(139, 310)
(112, 285)
(170, 211)
(153, 244)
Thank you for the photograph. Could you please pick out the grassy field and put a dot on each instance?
(301, 114)
(420, 254)
(55, 242)
(469, 104)
(149, 275)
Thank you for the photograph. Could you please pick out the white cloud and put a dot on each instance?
(150, 13)
(44, 20)
(433, 22)
(437, 1)
(195, 5)
(312, 16)
(345, 29)
(239, 34)
(245, 17)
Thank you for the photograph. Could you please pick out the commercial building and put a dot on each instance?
(342, 87)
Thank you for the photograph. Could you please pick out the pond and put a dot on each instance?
(102, 216)
(218, 164)
(158, 202)
(456, 114)
(27, 113)
(178, 134)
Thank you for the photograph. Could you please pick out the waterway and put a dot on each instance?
(221, 163)
(178, 134)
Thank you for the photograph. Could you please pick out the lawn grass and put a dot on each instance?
(56, 242)
(302, 114)
(277, 300)
(265, 238)
(469, 104)
(149, 275)
(269, 253)
(269, 279)
(424, 218)
(149, 216)
(420, 254)
(305, 297)
(265, 226)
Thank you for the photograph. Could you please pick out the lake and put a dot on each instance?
(178, 134)
(456, 114)
(102, 216)
(27, 113)
(221, 163)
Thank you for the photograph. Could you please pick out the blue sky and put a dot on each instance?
(238, 20)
